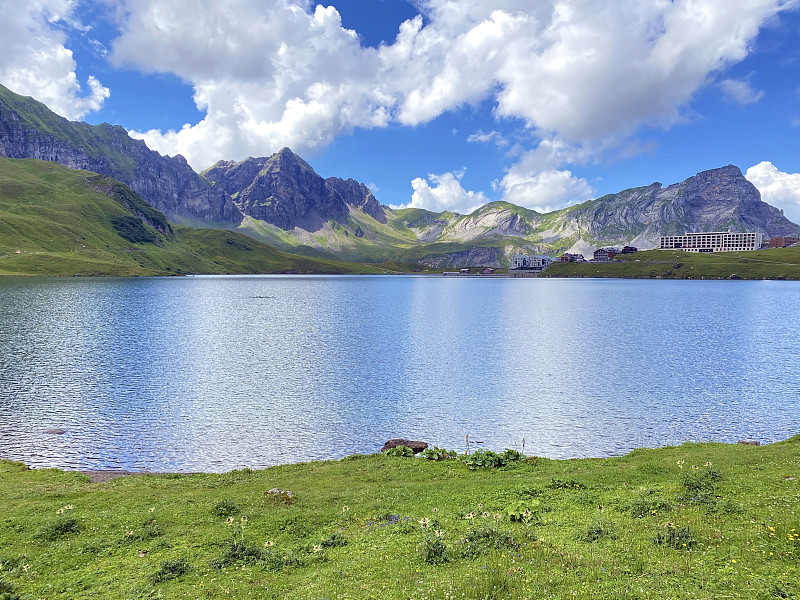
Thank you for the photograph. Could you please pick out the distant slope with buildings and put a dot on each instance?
(282, 201)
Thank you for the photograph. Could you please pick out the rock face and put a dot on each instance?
(715, 200)
(285, 191)
(28, 129)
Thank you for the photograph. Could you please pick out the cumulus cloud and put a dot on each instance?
(446, 193)
(272, 73)
(34, 60)
(740, 91)
(777, 188)
(546, 190)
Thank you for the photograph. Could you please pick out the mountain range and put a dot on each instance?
(282, 201)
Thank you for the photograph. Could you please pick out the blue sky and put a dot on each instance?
(435, 103)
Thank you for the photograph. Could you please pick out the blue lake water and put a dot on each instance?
(224, 372)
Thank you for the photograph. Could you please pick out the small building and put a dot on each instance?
(533, 264)
(488, 271)
(464, 272)
(605, 254)
(712, 241)
(783, 241)
(629, 250)
(567, 257)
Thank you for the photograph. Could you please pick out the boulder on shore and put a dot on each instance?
(394, 442)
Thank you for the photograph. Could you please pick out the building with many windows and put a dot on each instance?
(712, 241)
(535, 264)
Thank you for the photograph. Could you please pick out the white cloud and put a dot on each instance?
(272, 73)
(777, 188)
(740, 91)
(446, 193)
(35, 62)
(491, 137)
(545, 191)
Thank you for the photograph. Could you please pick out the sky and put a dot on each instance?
(437, 104)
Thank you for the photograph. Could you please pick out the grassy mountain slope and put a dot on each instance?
(58, 221)
(773, 263)
(692, 521)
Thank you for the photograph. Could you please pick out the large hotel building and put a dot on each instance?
(712, 241)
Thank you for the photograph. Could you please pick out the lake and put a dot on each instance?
(226, 372)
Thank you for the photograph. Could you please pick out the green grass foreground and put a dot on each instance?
(693, 521)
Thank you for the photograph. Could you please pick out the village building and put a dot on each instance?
(783, 241)
(534, 264)
(712, 241)
(605, 254)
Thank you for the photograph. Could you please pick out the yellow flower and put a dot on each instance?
(345, 509)
(229, 520)
(424, 522)
(268, 544)
(244, 519)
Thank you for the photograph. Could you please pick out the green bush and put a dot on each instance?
(400, 451)
(225, 508)
(171, 569)
(59, 528)
(438, 453)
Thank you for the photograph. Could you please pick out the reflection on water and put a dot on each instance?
(217, 373)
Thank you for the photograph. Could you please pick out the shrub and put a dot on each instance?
(679, 538)
(700, 485)
(566, 484)
(523, 511)
(7, 591)
(481, 459)
(59, 528)
(597, 530)
(438, 453)
(434, 550)
(238, 551)
(480, 540)
(171, 569)
(334, 540)
(400, 451)
(225, 508)
(646, 504)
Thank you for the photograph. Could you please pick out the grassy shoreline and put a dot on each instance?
(692, 521)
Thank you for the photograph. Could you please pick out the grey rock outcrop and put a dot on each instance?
(714, 200)
(285, 191)
(28, 129)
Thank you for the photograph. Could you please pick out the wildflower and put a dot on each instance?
(485, 515)
(345, 509)
(244, 519)
(439, 533)
(151, 509)
(229, 520)
(496, 516)
(129, 532)
(316, 548)
(695, 467)
(680, 463)
(68, 507)
(435, 509)
(469, 516)
(424, 522)
(59, 511)
(708, 464)
(480, 505)
(269, 544)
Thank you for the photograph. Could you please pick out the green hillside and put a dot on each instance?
(773, 263)
(56, 221)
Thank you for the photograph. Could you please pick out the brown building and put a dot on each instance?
(783, 241)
